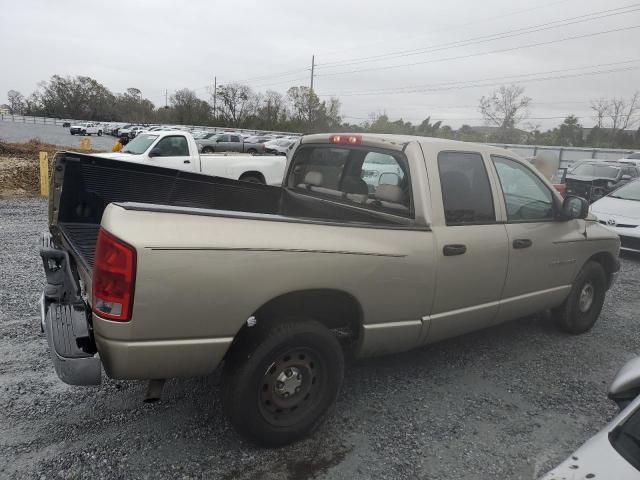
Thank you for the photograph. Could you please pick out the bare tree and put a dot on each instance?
(16, 102)
(623, 113)
(505, 108)
(601, 108)
(236, 102)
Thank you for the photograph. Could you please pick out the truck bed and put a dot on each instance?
(83, 186)
(82, 240)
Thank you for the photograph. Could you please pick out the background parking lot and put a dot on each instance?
(506, 402)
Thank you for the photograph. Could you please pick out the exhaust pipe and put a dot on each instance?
(154, 390)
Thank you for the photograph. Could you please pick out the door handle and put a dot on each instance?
(456, 249)
(522, 243)
(187, 161)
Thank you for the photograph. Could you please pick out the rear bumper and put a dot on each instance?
(66, 330)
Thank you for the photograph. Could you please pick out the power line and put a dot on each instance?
(487, 38)
(463, 25)
(502, 78)
(502, 50)
(445, 88)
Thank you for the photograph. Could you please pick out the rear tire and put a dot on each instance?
(252, 179)
(252, 151)
(208, 150)
(280, 381)
(582, 307)
(99, 133)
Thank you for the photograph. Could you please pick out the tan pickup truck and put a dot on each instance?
(374, 244)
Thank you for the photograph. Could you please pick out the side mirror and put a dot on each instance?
(626, 177)
(574, 207)
(155, 152)
(626, 386)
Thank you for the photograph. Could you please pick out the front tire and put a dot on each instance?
(280, 381)
(208, 150)
(252, 179)
(99, 133)
(582, 307)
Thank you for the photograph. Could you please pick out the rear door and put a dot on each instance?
(471, 245)
(543, 251)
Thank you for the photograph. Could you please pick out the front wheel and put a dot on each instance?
(280, 381)
(99, 133)
(582, 307)
(208, 150)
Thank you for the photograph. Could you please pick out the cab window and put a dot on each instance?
(367, 178)
(526, 197)
(173, 146)
(466, 191)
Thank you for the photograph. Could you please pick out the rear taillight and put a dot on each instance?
(346, 139)
(114, 275)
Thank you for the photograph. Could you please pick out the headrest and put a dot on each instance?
(390, 193)
(313, 178)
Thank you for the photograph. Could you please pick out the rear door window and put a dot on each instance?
(466, 191)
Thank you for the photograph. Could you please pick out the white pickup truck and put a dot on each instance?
(88, 128)
(178, 149)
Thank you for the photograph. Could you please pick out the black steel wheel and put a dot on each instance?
(280, 381)
(582, 307)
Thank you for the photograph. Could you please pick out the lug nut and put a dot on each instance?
(288, 372)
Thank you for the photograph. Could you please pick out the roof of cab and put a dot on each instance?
(398, 142)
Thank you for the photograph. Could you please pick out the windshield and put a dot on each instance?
(596, 170)
(631, 191)
(139, 144)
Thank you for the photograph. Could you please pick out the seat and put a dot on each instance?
(313, 182)
(390, 197)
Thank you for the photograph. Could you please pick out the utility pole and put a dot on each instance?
(166, 105)
(215, 93)
(313, 66)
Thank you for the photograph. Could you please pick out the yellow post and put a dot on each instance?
(85, 143)
(44, 174)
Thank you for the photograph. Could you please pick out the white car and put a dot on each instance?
(620, 212)
(279, 146)
(88, 128)
(633, 158)
(614, 452)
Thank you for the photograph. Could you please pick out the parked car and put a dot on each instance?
(229, 142)
(66, 124)
(178, 149)
(614, 452)
(619, 211)
(279, 146)
(633, 158)
(593, 180)
(155, 273)
(88, 128)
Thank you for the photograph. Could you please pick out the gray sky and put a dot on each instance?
(169, 44)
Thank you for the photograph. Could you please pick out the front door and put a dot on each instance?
(173, 152)
(471, 247)
(542, 250)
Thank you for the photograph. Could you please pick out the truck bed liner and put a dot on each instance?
(82, 238)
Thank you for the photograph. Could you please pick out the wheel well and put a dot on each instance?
(253, 174)
(608, 262)
(339, 311)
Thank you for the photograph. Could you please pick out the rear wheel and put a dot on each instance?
(252, 151)
(280, 381)
(582, 307)
(99, 133)
(208, 150)
(251, 178)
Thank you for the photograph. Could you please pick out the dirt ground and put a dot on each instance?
(20, 166)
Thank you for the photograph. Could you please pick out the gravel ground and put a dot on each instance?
(505, 403)
(54, 134)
